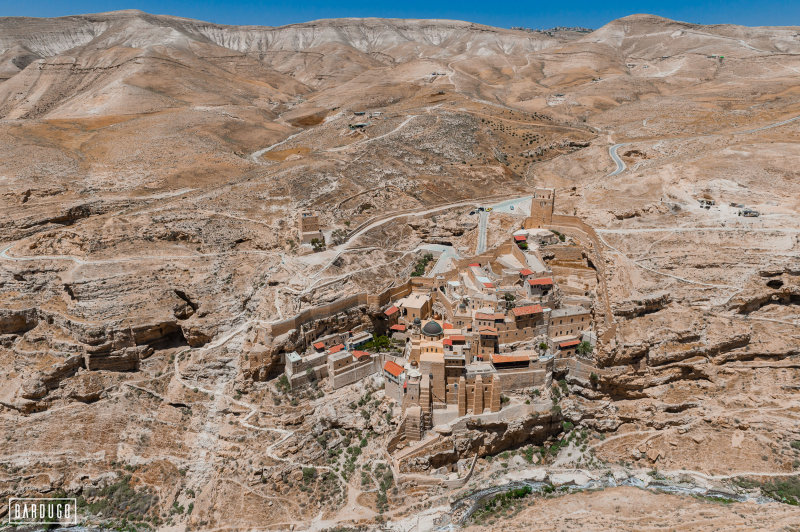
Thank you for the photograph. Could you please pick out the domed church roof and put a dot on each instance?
(432, 329)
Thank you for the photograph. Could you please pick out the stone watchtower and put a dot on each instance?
(541, 208)
(309, 227)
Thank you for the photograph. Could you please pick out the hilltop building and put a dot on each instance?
(542, 205)
(309, 228)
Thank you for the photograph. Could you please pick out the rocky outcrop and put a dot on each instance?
(442, 230)
(18, 321)
(666, 355)
(38, 384)
(484, 438)
(126, 359)
(643, 305)
(635, 385)
(781, 287)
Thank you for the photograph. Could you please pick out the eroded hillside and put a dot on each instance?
(152, 171)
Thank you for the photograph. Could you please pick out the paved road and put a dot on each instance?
(484, 221)
(446, 255)
(381, 221)
(769, 126)
(521, 206)
(612, 151)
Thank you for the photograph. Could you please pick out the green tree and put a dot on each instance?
(318, 244)
(584, 348)
(309, 474)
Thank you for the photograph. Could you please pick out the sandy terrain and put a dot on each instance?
(152, 169)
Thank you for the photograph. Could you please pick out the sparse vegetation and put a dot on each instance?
(309, 474)
(421, 265)
(338, 236)
(500, 502)
(318, 244)
(378, 343)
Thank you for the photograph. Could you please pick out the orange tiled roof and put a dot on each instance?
(359, 354)
(526, 272)
(399, 327)
(568, 343)
(319, 345)
(520, 238)
(391, 310)
(447, 341)
(457, 338)
(488, 285)
(527, 310)
(392, 368)
(336, 348)
(446, 325)
(544, 281)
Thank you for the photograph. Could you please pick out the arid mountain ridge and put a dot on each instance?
(111, 40)
(152, 169)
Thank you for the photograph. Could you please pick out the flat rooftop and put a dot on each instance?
(568, 311)
(415, 300)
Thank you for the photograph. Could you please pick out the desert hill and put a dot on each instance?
(152, 169)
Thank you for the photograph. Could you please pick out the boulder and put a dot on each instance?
(576, 478)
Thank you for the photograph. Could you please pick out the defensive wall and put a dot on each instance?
(340, 305)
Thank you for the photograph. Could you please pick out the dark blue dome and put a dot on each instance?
(432, 329)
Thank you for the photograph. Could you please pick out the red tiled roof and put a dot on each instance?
(399, 327)
(520, 238)
(359, 354)
(391, 310)
(488, 285)
(500, 359)
(447, 341)
(392, 368)
(526, 272)
(527, 310)
(475, 264)
(319, 345)
(457, 338)
(483, 316)
(544, 281)
(568, 343)
(446, 325)
(336, 348)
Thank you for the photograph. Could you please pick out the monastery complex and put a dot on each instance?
(459, 340)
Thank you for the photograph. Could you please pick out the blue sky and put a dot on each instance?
(533, 14)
